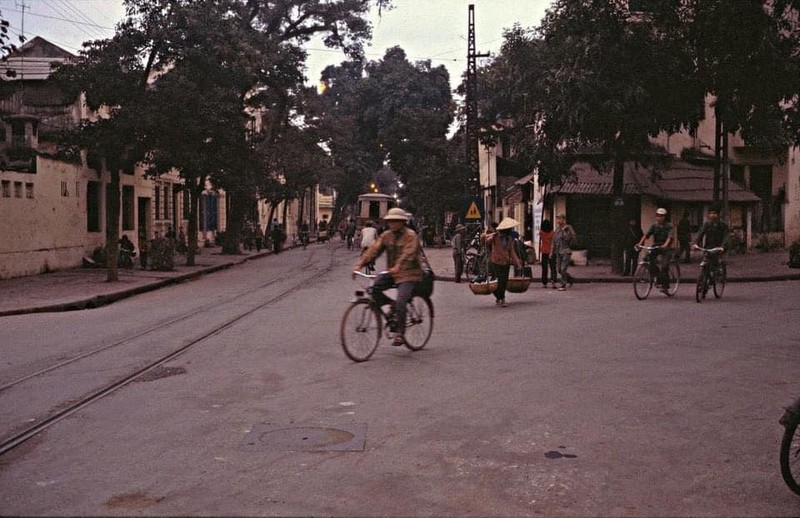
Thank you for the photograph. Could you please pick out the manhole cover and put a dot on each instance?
(306, 438)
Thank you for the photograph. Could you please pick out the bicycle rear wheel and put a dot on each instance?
(674, 279)
(719, 284)
(360, 330)
(642, 281)
(790, 457)
(419, 322)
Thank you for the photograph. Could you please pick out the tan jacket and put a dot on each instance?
(402, 249)
(499, 254)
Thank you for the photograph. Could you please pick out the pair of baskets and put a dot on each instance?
(515, 285)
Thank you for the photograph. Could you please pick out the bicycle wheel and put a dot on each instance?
(719, 284)
(360, 331)
(642, 281)
(790, 457)
(674, 279)
(469, 266)
(419, 322)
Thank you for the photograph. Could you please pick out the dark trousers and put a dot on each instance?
(548, 267)
(143, 259)
(405, 290)
(684, 251)
(458, 263)
(630, 261)
(501, 271)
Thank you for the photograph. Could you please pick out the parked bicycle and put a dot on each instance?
(475, 264)
(711, 277)
(647, 274)
(790, 447)
(365, 322)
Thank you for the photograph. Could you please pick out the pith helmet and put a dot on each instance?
(395, 214)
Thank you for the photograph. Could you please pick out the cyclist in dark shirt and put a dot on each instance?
(661, 232)
(714, 233)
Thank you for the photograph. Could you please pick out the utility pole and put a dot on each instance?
(471, 102)
(22, 6)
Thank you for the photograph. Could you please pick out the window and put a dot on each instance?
(29, 190)
(127, 207)
(639, 6)
(77, 188)
(6, 189)
(18, 189)
(64, 188)
(737, 174)
(93, 207)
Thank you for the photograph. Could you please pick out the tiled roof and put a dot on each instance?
(681, 181)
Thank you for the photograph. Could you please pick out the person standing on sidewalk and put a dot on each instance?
(503, 254)
(458, 250)
(545, 252)
(565, 238)
(633, 235)
(684, 238)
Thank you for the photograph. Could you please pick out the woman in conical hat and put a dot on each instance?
(503, 255)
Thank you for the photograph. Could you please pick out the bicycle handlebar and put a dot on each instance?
(715, 250)
(362, 274)
(646, 247)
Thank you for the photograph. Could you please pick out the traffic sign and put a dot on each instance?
(472, 208)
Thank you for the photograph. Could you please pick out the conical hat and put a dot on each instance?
(507, 223)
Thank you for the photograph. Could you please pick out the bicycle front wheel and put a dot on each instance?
(702, 285)
(719, 284)
(642, 281)
(419, 322)
(674, 279)
(790, 457)
(360, 331)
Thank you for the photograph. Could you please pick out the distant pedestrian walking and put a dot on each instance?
(502, 256)
(458, 250)
(565, 239)
(546, 256)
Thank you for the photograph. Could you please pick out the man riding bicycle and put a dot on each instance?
(404, 267)
(661, 232)
(714, 233)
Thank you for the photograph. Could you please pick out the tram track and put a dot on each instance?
(17, 438)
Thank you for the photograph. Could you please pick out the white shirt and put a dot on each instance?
(368, 236)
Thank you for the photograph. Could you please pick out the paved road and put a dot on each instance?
(585, 402)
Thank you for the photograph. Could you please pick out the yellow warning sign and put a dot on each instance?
(473, 212)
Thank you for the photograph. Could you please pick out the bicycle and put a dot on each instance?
(647, 272)
(790, 447)
(714, 278)
(475, 264)
(364, 322)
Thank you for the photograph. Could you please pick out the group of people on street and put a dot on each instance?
(555, 252)
(405, 257)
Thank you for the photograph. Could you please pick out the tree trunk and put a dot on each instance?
(617, 216)
(195, 191)
(726, 212)
(718, 129)
(233, 231)
(302, 205)
(112, 226)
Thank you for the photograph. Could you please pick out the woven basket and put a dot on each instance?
(483, 288)
(518, 284)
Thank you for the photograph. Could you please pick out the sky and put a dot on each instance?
(425, 29)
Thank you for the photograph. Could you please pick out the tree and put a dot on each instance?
(593, 84)
(179, 76)
(393, 112)
(735, 46)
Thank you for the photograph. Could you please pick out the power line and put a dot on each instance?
(72, 9)
(39, 15)
(79, 27)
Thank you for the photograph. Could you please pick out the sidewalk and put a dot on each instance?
(80, 288)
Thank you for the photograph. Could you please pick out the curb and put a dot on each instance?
(109, 298)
